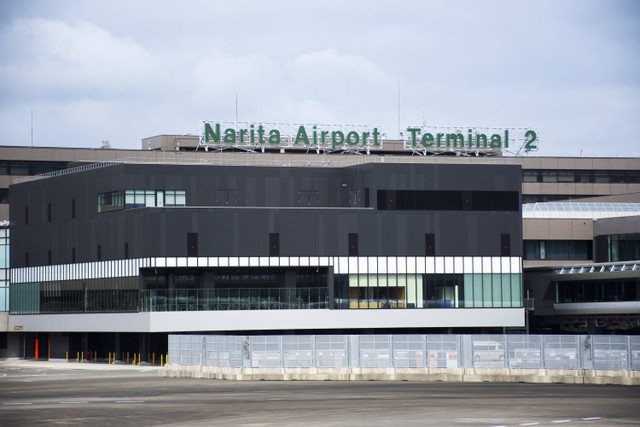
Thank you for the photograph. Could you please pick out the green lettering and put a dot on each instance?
(209, 132)
(323, 137)
(427, 138)
(243, 133)
(530, 144)
(496, 141)
(413, 132)
(302, 135)
(230, 136)
(439, 135)
(456, 137)
(274, 136)
(483, 137)
(334, 139)
(352, 141)
(260, 134)
(376, 134)
(365, 135)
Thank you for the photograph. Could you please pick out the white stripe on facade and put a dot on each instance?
(342, 265)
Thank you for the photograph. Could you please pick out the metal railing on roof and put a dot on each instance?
(77, 169)
(580, 207)
(599, 268)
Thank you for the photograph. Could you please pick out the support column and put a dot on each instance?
(331, 289)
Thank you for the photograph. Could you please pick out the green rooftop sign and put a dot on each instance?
(421, 140)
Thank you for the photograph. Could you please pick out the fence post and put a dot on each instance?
(629, 353)
(203, 353)
(282, 348)
(391, 353)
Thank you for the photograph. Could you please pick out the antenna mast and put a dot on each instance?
(399, 134)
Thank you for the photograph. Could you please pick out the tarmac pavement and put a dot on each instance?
(50, 393)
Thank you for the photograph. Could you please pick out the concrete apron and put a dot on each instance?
(472, 375)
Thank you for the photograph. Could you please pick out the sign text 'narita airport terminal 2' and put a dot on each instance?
(461, 140)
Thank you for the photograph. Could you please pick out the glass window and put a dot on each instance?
(529, 176)
(149, 199)
(487, 290)
(110, 201)
(175, 198)
(496, 284)
(566, 176)
(139, 198)
(170, 198)
(130, 198)
(549, 176)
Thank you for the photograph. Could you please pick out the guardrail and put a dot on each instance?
(69, 171)
(569, 352)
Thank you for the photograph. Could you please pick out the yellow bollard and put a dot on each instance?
(153, 359)
(161, 360)
(67, 356)
(127, 357)
(78, 357)
(109, 358)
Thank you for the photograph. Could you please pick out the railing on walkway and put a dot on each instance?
(600, 352)
(234, 299)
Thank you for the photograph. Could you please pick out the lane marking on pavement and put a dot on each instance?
(74, 402)
(530, 424)
(129, 401)
(591, 419)
(561, 421)
(17, 403)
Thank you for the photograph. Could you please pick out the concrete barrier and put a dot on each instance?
(471, 375)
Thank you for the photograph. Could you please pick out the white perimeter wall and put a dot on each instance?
(263, 320)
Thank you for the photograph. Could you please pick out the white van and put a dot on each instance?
(488, 350)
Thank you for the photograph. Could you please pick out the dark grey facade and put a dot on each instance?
(234, 209)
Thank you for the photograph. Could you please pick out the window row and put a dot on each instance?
(76, 296)
(428, 290)
(448, 200)
(350, 292)
(597, 291)
(228, 277)
(623, 247)
(130, 199)
(18, 167)
(582, 176)
(558, 250)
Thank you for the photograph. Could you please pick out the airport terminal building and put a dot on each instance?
(112, 250)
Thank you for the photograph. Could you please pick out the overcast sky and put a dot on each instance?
(124, 70)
